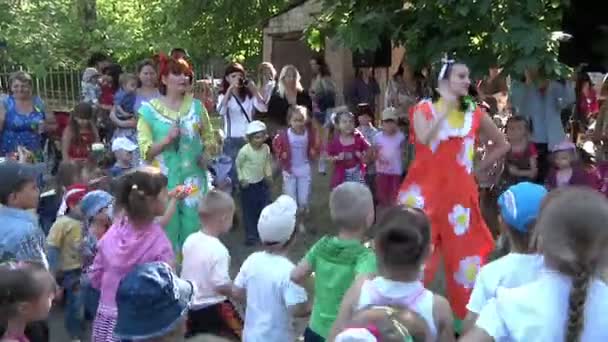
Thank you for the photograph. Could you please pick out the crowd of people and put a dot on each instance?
(128, 234)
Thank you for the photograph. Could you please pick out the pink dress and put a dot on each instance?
(118, 252)
(351, 168)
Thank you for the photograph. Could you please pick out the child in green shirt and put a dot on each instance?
(338, 260)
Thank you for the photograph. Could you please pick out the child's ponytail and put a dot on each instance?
(136, 190)
(576, 305)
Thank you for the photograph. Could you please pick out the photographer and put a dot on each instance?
(238, 101)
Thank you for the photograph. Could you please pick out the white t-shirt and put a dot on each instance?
(390, 158)
(537, 312)
(265, 278)
(235, 122)
(512, 270)
(206, 264)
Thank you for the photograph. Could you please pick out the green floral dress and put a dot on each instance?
(179, 161)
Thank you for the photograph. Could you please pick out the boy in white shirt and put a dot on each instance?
(206, 264)
(519, 207)
(264, 278)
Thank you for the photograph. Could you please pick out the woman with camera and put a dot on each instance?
(238, 101)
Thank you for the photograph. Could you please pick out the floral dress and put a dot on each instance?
(180, 161)
(441, 183)
(22, 129)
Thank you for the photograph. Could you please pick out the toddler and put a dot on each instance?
(386, 324)
(134, 238)
(152, 304)
(124, 99)
(295, 148)
(519, 208)
(521, 162)
(346, 149)
(64, 241)
(123, 149)
(272, 298)
(80, 134)
(254, 169)
(567, 170)
(366, 127)
(567, 300)
(90, 86)
(338, 260)
(402, 245)
(27, 291)
(389, 146)
(206, 264)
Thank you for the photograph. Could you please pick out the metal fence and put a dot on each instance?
(60, 88)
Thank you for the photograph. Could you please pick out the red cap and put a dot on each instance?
(74, 193)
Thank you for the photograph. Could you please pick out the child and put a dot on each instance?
(519, 208)
(295, 148)
(402, 245)
(567, 300)
(21, 238)
(346, 149)
(97, 209)
(135, 238)
(64, 241)
(27, 291)
(568, 171)
(80, 134)
(387, 324)
(123, 149)
(366, 127)
(90, 86)
(254, 169)
(124, 99)
(152, 304)
(338, 260)
(272, 298)
(389, 146)
(206, 264)
(521, 162)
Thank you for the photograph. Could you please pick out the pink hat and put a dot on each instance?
(564, 146)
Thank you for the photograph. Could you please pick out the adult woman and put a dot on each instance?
(365, 89)
(22, 117)
(174, 132)
(147, 90)
(441, 181)
(323, 94)
(289, 92)
(239, 99)
(267, 76)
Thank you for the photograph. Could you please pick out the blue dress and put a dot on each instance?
(21, 129)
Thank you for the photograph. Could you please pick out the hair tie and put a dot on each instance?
(446, 62)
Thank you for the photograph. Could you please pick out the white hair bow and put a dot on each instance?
(446, 62)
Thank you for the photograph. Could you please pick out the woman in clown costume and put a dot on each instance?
(441, 181)
(175, 134)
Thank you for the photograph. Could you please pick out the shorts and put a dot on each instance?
(221, 319)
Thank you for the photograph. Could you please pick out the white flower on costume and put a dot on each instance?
(467, 154)
(196, 193)
(460, 218)
(412, 197)
(467, 271)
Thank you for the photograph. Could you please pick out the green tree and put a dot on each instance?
(513, 33)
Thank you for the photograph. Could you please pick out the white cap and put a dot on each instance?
(278, 220)
(356, 335)
(390, 113)
(255, 126)
(123, 143)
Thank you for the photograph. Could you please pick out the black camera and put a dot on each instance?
(243, 82)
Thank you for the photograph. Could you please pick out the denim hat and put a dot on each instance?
(520, 204)
(151, 301)
(93, 202)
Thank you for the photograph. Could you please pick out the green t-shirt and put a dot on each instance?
(336, 264)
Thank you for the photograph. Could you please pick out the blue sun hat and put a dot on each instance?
(520, 205)
(151, 302)
(95, 201)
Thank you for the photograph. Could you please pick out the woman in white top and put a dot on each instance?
(267, 76)
(238, 102)
(402, 245)
(568, 300)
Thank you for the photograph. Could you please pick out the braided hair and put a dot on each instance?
(575, 247)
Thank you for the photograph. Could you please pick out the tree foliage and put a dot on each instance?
(48, 33)
(513, 33)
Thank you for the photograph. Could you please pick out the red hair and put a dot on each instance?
(169, 65)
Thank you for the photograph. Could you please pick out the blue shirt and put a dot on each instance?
(126, 101)
(21, 238)
(543, 110)
(117, 170)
